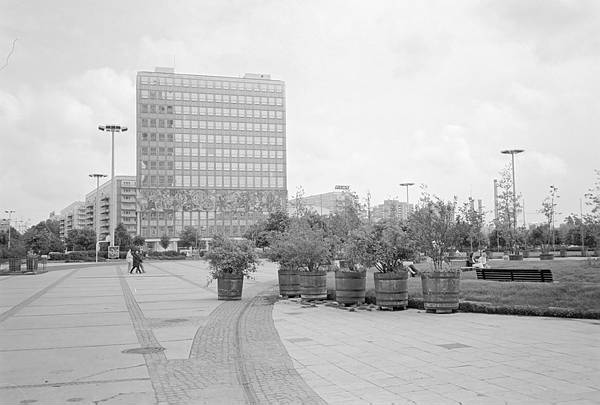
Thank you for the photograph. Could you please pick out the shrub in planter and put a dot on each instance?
(230, 261)
(433, 229)
(386, 246)
(304, 248)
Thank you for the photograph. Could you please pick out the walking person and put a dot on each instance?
(136, 262)
(141, 264)
(129, 259)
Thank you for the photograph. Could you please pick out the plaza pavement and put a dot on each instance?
(93, 334)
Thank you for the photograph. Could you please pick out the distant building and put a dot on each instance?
(323, 204)
(211, 152)
(125, 206)
(71, 217)
(392, 210)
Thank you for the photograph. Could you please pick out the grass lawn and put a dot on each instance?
(576, 286)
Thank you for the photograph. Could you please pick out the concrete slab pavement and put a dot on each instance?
(98, 335)
(412, 357)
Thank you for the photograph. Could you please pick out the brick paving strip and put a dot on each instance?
(237, 357)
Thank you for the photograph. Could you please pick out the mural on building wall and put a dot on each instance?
(230, 201)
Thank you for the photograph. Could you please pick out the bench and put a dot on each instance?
(531, 275)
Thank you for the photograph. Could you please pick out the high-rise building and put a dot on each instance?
(125, 206)
(211, 152)
(71, 217)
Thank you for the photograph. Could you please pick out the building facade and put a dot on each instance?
(211, 152)
(71, 217)
(392, 210)
(125, 206)
(323, 204)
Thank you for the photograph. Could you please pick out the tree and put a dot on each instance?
(433, 228)
(122, 237)
(165, 241)
(592, 219)
(41, 239)
(469, 223)
(506, 220)
(81, 239)
(138, 241)
(384, 245)
(572, 229)
(549, 210)
(263, 232)
(301, 246)
(341, 224)
(188, 237)
(17, 248)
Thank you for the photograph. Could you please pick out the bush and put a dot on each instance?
(57, 256)
(231, 257)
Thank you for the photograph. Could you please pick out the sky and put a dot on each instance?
(378, 92)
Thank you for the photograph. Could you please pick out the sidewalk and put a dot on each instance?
(96, 335)
(403, 357)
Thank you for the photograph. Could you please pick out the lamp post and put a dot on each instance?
(113, 195)
(9, 212)
(96, 216)
(513, 152)
(407, 185)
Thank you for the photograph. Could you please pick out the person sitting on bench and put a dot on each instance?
(480, 262)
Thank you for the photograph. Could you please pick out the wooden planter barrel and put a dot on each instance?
(32, 263)
(289, 282)
(229, 287)
(515, 257)
(546, 256)
(391, 290)
(14, 264)
(440, 291)
(313, 285)
(350, 287)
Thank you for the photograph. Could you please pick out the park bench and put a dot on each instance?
(532, 275)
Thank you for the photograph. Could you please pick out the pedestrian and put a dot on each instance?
(136, 262)
(141, 265)
(129, 259)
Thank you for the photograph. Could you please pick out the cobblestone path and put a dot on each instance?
(236, 358)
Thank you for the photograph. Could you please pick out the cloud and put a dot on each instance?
(54, 142)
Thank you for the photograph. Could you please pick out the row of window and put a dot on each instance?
(210, 84)
(209, 138)
(212, 152)
(216, 125)
(215, 111)
(210, 111)
(209, 98)
(213, 181)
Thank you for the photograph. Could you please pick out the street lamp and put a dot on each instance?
(113, 195)
(407, 185)
(513, 152)
(96, 216)
(9, 212)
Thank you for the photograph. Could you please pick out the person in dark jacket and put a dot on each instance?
(137, 261)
